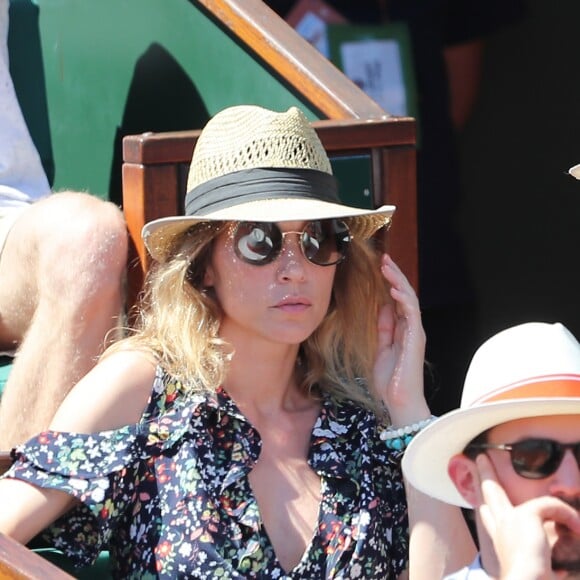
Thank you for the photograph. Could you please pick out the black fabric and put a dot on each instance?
(259, 184)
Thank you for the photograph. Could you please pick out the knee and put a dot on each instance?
(102, 233)
(85, 239)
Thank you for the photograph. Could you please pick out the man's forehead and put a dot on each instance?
(560, 427)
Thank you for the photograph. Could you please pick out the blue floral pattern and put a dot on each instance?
(170, 496)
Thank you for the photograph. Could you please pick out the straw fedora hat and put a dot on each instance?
(253, 164)
(528, 370)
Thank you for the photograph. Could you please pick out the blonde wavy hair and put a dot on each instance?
(178, 320)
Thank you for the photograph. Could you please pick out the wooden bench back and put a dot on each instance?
(5, 461)
(155, 173)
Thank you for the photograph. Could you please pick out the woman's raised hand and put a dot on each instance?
(398, 371)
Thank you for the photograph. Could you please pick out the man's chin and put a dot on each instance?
(566, 554)
(569, 574)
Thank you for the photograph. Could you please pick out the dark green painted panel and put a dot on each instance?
(354, 175)
(5, 367)
(100, 570)
(28, 75)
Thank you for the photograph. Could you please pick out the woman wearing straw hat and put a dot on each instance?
(253, 424)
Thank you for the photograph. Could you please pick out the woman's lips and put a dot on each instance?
(293, 304)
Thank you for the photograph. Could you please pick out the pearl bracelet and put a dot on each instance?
(398, 439)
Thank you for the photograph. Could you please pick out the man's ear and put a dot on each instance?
(463, 473)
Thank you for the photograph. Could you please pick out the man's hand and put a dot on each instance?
(521, 534)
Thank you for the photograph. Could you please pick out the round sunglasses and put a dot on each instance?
(323, 242)
(531, 458)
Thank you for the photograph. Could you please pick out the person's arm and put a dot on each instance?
(25, 510)
(110, 396)
(519, 534)
(440, 541)
(113, 394)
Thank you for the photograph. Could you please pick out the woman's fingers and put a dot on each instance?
(405, 299)
(401, 349)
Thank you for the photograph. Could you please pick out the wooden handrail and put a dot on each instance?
(177, 146)
(5, 461)
(19, 563)
(294, 59)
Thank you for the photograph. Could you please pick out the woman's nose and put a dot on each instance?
(291, 261)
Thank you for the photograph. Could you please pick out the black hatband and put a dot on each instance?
(258, 184)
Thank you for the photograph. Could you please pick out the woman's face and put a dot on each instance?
(283, 301)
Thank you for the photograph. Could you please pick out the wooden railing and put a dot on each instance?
(19, 563)
(292, 58)
(5, 461)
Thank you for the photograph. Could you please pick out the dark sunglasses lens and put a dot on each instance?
(536, 458)
(325, 242)
(257, 243)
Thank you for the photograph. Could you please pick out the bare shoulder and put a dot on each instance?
(110, 396)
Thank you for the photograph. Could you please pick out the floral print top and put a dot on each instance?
(170, 496)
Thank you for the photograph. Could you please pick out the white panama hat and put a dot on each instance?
(528, 370)
(253, 164)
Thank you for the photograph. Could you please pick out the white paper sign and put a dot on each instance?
(376, 67)
(313, 29)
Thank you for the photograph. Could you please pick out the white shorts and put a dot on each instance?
(8, 217)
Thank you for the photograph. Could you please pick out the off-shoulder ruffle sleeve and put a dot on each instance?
(108, 472)
(99, 470)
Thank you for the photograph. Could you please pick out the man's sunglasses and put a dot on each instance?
(323, 242)
(531, 458)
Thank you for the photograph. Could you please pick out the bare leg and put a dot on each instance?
(61, 292)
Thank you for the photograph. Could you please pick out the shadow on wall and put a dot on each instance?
(161, 97)
(521, 213)
(27, 71)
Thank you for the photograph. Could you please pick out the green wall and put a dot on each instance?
(89, 72)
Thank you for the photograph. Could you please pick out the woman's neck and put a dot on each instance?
(266, 378)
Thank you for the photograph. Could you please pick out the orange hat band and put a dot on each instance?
(562, 386)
